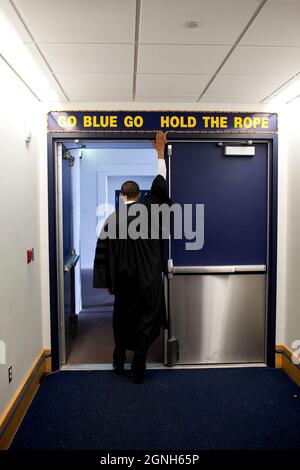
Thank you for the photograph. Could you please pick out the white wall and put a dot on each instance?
(292, 286)
(20, 284)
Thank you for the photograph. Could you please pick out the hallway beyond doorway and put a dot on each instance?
(94, 342)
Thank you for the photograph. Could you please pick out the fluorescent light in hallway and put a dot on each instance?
(16, 54)
(288, 94)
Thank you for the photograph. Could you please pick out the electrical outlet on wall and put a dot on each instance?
(9, 374)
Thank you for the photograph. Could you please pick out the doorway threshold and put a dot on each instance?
(72, 367)
(106, 366)
(219, 366)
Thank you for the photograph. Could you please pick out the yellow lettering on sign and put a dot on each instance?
(238, 122)
(217, 122)
(223, 122)
(178, 121)
(248, 122)
(87, 121)
(256, 122)
(72, 121)
(113, 121)
(128, 121)
(214, 121)
(174, 121)
(192, 121)
(100, 121)
(66, 121)
(206, 119)
(62, 121)
(164, 121)
(136, 121)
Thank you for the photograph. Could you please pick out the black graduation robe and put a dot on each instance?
(133, 268)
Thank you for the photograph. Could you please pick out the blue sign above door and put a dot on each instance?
(151, 121)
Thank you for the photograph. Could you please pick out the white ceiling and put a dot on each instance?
(124, 50)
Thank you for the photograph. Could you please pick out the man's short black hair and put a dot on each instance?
(130, 189)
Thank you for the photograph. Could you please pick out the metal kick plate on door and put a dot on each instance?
(219, 319)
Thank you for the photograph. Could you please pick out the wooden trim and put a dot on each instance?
(17, 408)
(48, 361)
(278, 360)
(284, 360)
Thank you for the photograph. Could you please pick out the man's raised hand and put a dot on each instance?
(159, 144)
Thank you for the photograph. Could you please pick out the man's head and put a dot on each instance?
(130, 191)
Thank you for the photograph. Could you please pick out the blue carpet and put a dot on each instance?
(243, 408)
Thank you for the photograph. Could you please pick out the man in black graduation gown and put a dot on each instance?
(131, 269)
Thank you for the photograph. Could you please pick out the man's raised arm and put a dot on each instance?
(159, 193)
(159, 146)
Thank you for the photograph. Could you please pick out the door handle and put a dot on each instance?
(71, 262)
(216, 269)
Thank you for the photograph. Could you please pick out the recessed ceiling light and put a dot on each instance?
(192, 24)
(287, 94)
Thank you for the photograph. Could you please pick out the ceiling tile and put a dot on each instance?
(89, 58)
(185, 59)
(238, 85)
(278, 24)
(229, 99)
(78, 21)
(246, 60)
(97, 87)
(37, 57)
(221, 21)
(156, 84)
(167, 98)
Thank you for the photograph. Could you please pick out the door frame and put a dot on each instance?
(54, 138)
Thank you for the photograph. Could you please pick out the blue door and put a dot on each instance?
(67, 248)
(68, 257)
(233, 190)
(218, 293)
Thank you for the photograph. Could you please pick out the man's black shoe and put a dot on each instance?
(118, 368)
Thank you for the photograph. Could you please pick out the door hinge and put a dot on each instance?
(68, 156)
(170, 268)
